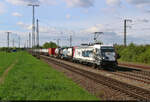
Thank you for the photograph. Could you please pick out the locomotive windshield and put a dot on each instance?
(104, 50)
(108, 50)
(108, 53)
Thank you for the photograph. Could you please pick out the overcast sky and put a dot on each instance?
(58, 19)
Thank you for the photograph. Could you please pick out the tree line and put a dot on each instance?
(134, 53)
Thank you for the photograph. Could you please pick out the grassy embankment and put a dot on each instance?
(32, 79)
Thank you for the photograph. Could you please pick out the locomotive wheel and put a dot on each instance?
(61, 57)
(114, 68)
(94, 66)
(87, 64)
(100, 67)
(73, 61)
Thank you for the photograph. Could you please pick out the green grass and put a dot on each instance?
(32, 79)
(6, 59)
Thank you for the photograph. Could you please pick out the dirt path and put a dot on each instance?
(2, 78)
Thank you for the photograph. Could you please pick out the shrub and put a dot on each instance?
(134, 53)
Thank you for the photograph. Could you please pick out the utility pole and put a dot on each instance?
(125, 31)
(8, 39)
(27, 44)
(37, 31)
(29, 40)
(19, 41)
(70, 40)
(58, 42)
(37, 39)
(13, 43)
(33, 24)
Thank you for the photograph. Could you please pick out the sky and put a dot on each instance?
(60, 19)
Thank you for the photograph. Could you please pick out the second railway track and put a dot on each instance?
(133, 91)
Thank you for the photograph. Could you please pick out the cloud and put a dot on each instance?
(80, 3)
(42, 29)
(20, 23)
(26, 2)
(16, 14)
(48, 2)
(140, 3)
(22, 2)
(113, 2)
(2, 8)
(96, 28)
(143, 20)
(49, 33)
(108, 36)
(68, 16)
(24, 26)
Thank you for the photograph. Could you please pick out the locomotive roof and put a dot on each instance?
(98, 46)
(95, 46)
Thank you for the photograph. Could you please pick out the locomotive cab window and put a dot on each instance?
(98, 52)
(107, 50)
(88, 53)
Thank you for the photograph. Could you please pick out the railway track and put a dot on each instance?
(133, 76)
(135, 71)
(146, 73)
(130, 90)
(135, 66)
(141, 76)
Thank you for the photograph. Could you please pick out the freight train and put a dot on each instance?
(96, 54)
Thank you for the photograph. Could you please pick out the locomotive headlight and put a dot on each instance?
(103, 58)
